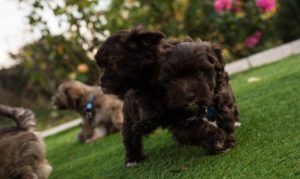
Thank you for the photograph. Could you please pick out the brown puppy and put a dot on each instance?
(101, 114)
(22, 151)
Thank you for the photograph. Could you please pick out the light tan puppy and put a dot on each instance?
(22, 151)
(101, 114)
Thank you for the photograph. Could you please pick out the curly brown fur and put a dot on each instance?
(194, 79)
(22, 151)
(107, 114)
(143, 113)
(128, 59)
(144, 106)
(129, 62)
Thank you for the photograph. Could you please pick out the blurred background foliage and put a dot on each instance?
(51, 60)
(242, 27)
(288, 20)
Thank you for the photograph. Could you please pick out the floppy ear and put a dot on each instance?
(138, 37)
(151, 38)
(220, 63)
(74, 97)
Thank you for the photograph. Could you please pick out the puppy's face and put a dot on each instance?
(189, 76)
(125, 58)
(68, 95)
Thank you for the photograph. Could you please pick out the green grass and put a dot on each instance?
(268, 142)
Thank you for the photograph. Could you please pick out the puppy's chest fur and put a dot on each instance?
(141, 107)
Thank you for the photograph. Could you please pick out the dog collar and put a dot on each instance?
(211, 112)
(89, 106)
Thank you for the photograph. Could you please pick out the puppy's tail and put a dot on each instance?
(24, 118)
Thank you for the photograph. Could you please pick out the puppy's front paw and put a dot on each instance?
(131, 164)
(228, 144)
(134, 161)
(237, 124)
(223, 143)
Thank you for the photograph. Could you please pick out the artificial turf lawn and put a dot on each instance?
(268, 142)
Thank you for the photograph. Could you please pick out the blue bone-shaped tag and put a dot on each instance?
(212, 112)
(89, 106)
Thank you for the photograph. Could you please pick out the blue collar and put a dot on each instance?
(89, 106)
(88, 109)
(212, 113)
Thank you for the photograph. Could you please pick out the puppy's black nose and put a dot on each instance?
(190, 97)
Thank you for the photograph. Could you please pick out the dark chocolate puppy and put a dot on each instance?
(168, 85)
(129, 61)
(198, 97)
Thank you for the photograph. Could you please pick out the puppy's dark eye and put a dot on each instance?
(111, 65)
(173, 81)
(199, 74)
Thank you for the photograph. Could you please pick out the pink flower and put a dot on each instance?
(253, 40)
(237, 6)
(221, 5)
(266, 5)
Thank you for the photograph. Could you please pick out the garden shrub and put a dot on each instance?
(288, 20)
(51, 60)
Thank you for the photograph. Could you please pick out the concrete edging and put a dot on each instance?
(61, 128)
(255, 60)
(265, 57)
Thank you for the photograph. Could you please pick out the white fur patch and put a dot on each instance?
(237, 124)
(192, 119)
(210, 122)
(131, 164)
